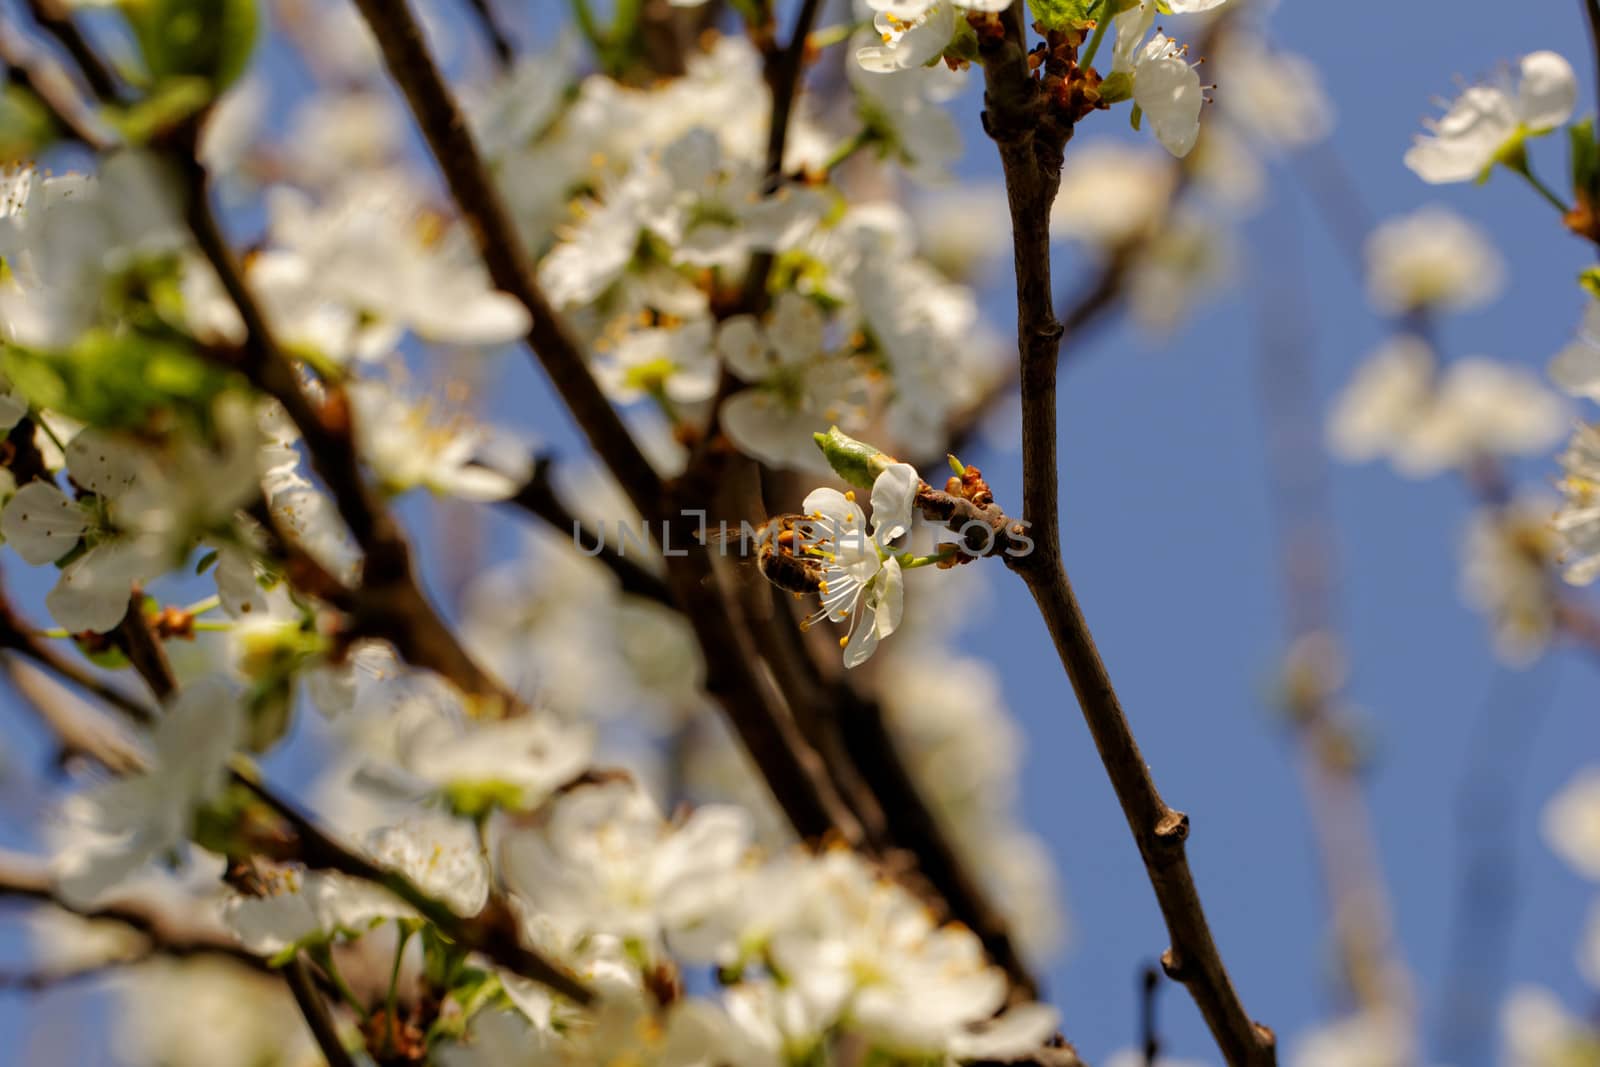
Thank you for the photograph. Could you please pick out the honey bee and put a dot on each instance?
(781, 555)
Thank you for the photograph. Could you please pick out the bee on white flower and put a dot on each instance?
(862, 582)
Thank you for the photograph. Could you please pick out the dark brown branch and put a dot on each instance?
(172, 930)
(1015, 115)
(538, 497)
(504, 53)
(49, 83)
(783, 68)
(1149, 1033)
(736, 676)
(55, 18)
(315, 1011)
(1591, 11)
(494, 931)
(78, 728)
(390, 603)
(136, 640)
(914, 827)
(16, 636)
(405, 52)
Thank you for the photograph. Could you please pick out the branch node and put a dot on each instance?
(1173, 829)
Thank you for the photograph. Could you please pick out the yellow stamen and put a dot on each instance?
(843, 641)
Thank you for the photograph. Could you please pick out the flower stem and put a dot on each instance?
(323, 955)
(1516, 161)
(200, 607)
(1101, 24)
(910, 562)
(392, 997)
(859, 140)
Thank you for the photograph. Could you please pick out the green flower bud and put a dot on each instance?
(855, 461)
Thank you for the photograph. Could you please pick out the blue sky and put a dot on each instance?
(1170, 542)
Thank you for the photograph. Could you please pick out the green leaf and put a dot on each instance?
(1063, 14)
(207, 39)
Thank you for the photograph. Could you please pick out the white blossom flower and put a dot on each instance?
(1432, 259)
(862, 581)
(605, 861)
(1165, 85)
(904, 113)
(912, 33)
(436, 746)
(408, 447)
(1111, 194)
(369, 248)
(1571, 823)
(671, 364)
(64, 239)
(1427, 420)
(1506, 574)
(145, 512)
(1273, 96)
(131, 821)
(1488, 123)
(208, 1012)
(795, 390)
(1578, 520)
(1576, 368)
(441, 856)
(1374, 1038)
(1539, 1032)
(862, 948)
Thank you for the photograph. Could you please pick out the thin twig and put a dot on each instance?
(783, 68)
(49, 83)
(390, 602)
(538, 497)
(504, 53)
(448, 134)
(1358, 899)
(755, 707)
(55, 18)
(1591, 11)
(16, 636)
(315, 1011)
(1149, 1032)
(1030, 152)
(174, 928)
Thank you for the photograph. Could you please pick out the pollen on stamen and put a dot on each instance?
(850, 495)
(844, 642)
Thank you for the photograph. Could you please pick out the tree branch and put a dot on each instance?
(1030, 145)
(755, 707)
(1591, 11)
(55, 18)
(315, 1011)
(538, 497)
(390, 602)
(173, 929)
(782, 69)
(445, 128)
(499, 42)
